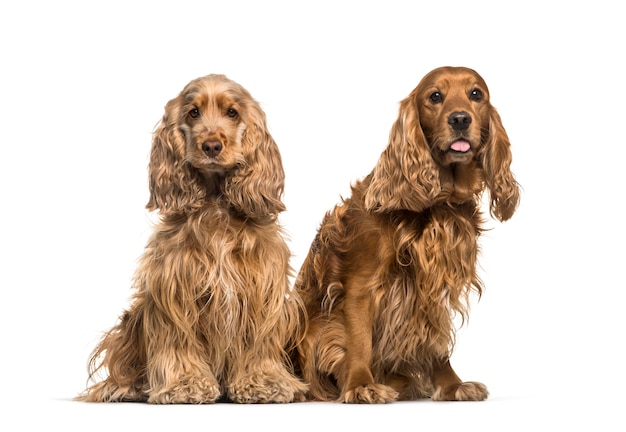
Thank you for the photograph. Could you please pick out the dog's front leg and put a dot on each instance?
(177, 369)
(449, 387)
(356, 380)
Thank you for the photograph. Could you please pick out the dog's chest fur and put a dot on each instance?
(232, 267)
(428, 283)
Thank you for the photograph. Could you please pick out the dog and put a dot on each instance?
(392, 264)
(213, 314)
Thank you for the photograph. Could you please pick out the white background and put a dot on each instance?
(82, 84)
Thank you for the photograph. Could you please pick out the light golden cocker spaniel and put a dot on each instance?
(212, 314)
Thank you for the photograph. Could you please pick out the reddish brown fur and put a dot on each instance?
(393, 264)
(212, 314)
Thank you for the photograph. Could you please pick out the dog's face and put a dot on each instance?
(453, 106)
(213, 123)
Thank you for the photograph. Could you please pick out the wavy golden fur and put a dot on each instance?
(212, 314)
(394, 263)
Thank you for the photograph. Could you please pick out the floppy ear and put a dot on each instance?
(174, 186)
(497, 158)
(256, 188)
(405, 177)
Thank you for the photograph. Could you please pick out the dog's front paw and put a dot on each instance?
(267, 389)
(188, 391)
(370, 394)
(467, 391)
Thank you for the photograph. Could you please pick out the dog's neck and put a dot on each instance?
(461, 182)
(213, 183)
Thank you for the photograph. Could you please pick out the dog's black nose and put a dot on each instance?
(212, 148)
(459, 120)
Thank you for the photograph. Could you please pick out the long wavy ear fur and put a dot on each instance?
(405, 177)
(174, 186)
(503, 188)
(256, 188)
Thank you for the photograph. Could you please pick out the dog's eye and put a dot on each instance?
(194, 113)
(436, 97)
(476, 95)
(232, 113)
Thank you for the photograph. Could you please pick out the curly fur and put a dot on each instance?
(394, 263)
(212, 314)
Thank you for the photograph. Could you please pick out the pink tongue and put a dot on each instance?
(460, 146)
